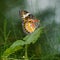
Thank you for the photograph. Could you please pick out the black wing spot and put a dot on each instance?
(31, 16)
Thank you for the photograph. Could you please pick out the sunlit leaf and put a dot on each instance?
(14, 47)
(19, 43)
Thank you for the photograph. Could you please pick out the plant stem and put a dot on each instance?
(5, 25)
(26, 55)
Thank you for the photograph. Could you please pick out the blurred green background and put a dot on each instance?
(47, 11)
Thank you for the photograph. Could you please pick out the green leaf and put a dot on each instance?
(19, 43)
(14, 47)
(32, 38)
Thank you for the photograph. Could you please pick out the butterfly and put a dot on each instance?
(29, 22)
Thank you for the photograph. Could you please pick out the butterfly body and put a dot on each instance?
(29, 22)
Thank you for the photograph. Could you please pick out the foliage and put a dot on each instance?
(17, 45)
